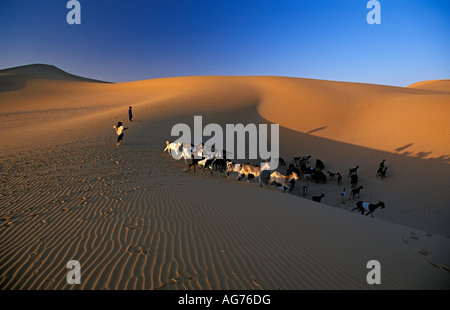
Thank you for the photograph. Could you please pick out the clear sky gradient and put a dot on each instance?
(121, 41)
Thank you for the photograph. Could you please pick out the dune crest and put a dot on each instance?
(42, 71)
(437, 85)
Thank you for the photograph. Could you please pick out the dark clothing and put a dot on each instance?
(119, 137)
(130, 115)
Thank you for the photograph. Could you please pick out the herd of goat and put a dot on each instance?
(205, 158)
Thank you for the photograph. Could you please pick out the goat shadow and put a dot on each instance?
(402, 148)
(316, 130)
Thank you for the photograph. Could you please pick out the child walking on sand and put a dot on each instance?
(130, 114)
(119, 130)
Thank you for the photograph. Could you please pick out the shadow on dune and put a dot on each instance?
(414, 189)
(9, 84)
(404, 147)
(317, 129)
(422, 154)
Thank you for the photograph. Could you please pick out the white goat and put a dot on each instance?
(173, 146)
(233, 167)
(247, 169)
(284, 180)
(189, 151)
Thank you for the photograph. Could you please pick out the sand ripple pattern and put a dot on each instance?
(134, 219)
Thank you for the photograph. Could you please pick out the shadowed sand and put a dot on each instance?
(134, 218)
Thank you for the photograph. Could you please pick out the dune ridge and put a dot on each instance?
(135, 219)
(436, 85)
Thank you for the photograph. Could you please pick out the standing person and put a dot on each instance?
(305, 189)
(119, 130)
(339, 178)
(130, 114)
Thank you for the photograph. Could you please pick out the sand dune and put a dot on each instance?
(436, 85)
(374, 116)
(134, 218)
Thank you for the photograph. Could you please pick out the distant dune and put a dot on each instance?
(135, 219)
(39, 71)
(437, 85)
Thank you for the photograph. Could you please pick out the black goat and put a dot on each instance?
(331, 174)
(354, 180)
(318, 198)
(302, 160)
(319, 164)
(353, 171)
(319, 177)
(219, 164)
(292, 168)
(194, 163)
(355, 192)
(369, 207)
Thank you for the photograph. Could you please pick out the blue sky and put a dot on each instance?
(132, 40)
